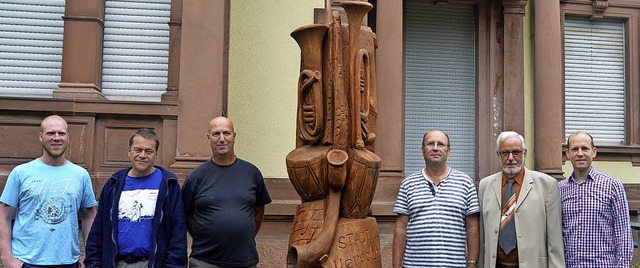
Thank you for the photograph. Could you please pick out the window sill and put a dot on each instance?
(89, 106)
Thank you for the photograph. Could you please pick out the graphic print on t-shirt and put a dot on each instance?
(55, 206)
(53, 211)
(137, 205)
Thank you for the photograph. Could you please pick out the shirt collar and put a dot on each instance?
(519, 177)
(426, 177)
(591, 176)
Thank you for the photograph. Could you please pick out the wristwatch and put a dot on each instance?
(474, 262)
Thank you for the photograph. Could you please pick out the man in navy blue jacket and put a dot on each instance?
(141, 220)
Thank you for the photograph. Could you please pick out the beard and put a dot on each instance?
(512, 171)
(54, 154)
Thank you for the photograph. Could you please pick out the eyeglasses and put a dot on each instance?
(515, 153)
(436, 144)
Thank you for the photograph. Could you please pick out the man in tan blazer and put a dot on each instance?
(527, 231)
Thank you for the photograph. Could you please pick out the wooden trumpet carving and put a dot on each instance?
(334, 168)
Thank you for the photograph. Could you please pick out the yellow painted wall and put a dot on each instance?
(621, 170)
(264, 63)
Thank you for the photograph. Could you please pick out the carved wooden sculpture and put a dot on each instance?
(333, 167)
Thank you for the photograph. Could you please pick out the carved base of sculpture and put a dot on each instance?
(356, 244)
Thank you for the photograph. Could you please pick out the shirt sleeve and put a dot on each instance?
(621, 225)
(88, 196)
(472, 199)
(187, 194)
(11, 192)
(262, 194)
(402, 203)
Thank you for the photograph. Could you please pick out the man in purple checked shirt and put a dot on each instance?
(595, 213)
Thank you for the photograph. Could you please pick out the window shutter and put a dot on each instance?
(440, 85)
(595, 79)
(136, 49)
(30, 47)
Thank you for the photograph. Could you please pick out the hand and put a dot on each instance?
(81, 262)
(12, 263)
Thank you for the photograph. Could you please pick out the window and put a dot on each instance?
(440, 81)
(602, 63)
(595, 79)
(30, 47)
(135, 49)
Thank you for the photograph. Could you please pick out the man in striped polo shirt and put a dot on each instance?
(437, 207)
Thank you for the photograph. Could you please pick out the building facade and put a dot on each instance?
(472, 68)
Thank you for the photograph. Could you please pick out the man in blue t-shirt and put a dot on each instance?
(140, 221)
(47, 192)
(224, 202)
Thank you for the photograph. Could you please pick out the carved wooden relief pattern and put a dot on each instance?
(308, 222)
(334, 168)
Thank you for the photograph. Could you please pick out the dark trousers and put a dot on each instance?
(505, 266)
(195, 263)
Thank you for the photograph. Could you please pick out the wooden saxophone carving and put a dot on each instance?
(334, 168)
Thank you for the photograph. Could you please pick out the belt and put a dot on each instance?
(505, 266)
(129, 258)
(26, 265)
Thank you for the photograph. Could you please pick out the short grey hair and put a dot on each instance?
(506, 134)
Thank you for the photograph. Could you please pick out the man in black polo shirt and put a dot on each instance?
(224, 202)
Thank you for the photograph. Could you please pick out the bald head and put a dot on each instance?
(221, 120)
(580, 133)
(222, 139)
(51, 119)
(424, 137)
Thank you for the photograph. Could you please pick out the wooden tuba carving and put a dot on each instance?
(310, 119)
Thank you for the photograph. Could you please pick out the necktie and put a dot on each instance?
(507, 237)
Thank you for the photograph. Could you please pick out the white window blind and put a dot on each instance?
(594, 79)
(135, 49)
(440, 85)
(30, 47)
